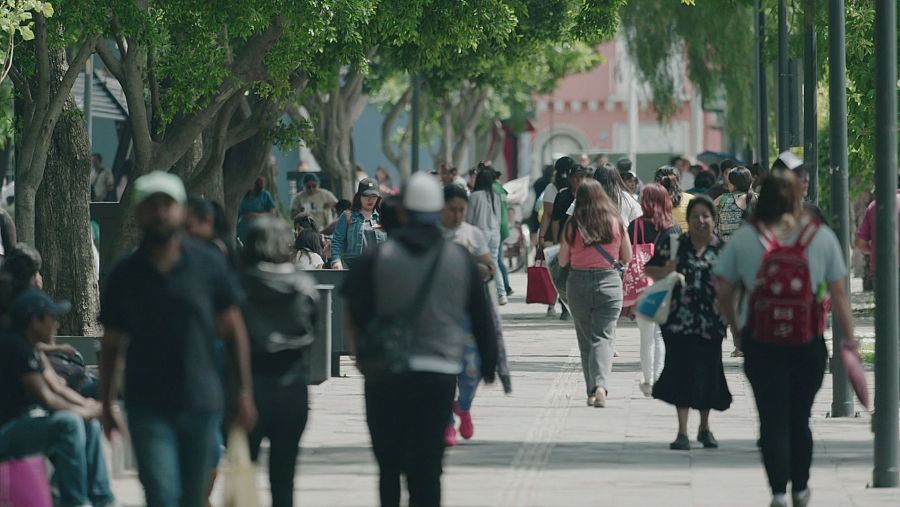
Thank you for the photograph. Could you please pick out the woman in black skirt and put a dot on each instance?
(693, 376)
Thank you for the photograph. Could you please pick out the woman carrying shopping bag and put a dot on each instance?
(656, 222)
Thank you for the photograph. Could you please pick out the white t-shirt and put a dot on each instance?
(742, 256)
(687, 181)
(549, 194)
(469, 237)
(308, 260)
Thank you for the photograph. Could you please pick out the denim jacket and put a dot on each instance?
(349, 240)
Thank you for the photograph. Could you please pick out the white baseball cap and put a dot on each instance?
(423, 194)
(159, 182)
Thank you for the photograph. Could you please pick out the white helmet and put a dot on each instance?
(423, 194)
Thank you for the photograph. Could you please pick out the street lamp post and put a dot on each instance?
(887, 374)
(762, 106)
(784, 94)
(810, 104)
(414, 121)
(842, 402)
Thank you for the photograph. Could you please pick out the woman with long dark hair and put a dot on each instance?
(310, 250)
(784, 377)
(611, 180)
(594, 243)
(693, 376)
(668, 177)
(734, 206)
(655, 224)
(484, 213)
(359, 228)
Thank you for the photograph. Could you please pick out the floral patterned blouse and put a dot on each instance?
(694, 310)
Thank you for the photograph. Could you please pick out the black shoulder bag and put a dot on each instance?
(383, 345)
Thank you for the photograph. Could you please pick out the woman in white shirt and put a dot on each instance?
(309, 250)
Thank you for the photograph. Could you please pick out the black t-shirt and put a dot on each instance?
(18, 358)
(564, 199)
(170, 322)
(650, 233)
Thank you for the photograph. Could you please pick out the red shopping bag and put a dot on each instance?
(634, 281)
(23, 483)
(540, 287)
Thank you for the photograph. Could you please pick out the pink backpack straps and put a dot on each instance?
(808, 234)
(766, 236)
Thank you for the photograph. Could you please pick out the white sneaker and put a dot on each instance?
(647, 389)
(503, 300)
(801, 498)
(779, 500)
(551, 311)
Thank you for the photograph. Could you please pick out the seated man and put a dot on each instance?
(66, 430)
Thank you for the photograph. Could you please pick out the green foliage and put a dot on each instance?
(713, 39)
(16, 24)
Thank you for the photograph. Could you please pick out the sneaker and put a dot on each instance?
(466, 427)
(600, 398)
(509, 291)
(565, 315)
(591, 399)
(551, 311)
(779, 500)
(681, 443)
(706, 438)
(502, 300)
(647, 389)
(450, 436)
(801, 499)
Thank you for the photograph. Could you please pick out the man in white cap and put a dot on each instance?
(169, 301)
(433, 285)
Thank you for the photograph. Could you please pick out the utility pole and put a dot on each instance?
(762, 102)
(810, 102)
(842, 402)
(887, 374)
(784, 92)
(414, 121)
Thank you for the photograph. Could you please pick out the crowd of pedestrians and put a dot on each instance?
(210, 330)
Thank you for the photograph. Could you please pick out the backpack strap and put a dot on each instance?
(348, 216)
(808, 233)
(766, 236)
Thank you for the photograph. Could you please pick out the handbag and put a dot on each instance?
(240, 476)
(23, 483)
(635, 280)
(559, 275)
(383, 345)
(540, 286)
(656, 302)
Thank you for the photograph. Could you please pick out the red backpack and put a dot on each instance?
(783, 307)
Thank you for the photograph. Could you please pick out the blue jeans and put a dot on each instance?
(503, 271)
(73, 446)
(467, 381)
(174, 452)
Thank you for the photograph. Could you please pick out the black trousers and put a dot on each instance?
(282, 418)
(785, 381)
(407, 415)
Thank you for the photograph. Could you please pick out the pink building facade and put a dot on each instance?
(600, 111)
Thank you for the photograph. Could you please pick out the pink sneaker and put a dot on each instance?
(450, 436)
(466, 428)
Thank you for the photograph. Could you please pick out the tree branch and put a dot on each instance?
(156, 112)
(113, 64)
(387, 127)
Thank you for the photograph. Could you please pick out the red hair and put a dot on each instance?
(657, 206)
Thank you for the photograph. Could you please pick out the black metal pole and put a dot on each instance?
(810, 102)
(842, 402)
(784, 93)
(887, 373)
(762, 102)
(414, 121)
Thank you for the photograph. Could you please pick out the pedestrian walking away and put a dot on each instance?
(484, 213)
(734, 206)
(410, 345)
(693, 376)
(280, 311)
(668, 177)
(546, 234)
(655, 224)
(359, 228)
(162, 308)
(595, 245)
(782, 332)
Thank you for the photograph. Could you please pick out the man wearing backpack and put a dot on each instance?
(786, 261)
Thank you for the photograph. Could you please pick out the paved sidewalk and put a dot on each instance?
(543, 447)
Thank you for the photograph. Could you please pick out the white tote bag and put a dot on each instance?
(656, 301)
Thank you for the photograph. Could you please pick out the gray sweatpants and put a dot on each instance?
(595, 301)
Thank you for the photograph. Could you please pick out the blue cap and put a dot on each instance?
(34, 302)
(310, 177)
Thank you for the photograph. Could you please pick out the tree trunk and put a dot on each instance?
(397, 156)
(62, 228)
(243, 164)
